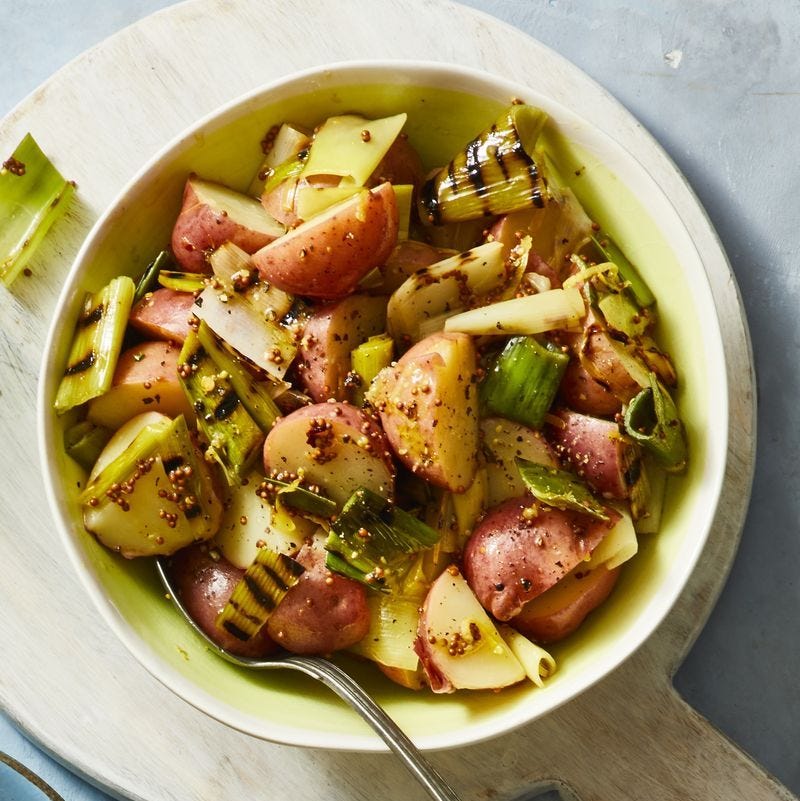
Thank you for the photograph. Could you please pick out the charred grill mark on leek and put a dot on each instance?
(181, 281)
(559, 488)
(258, 593)
(372, 538)
(234, 437)
(254, 395)
(82, 364)
(91, 317)
(226, 405)
(96, 344)
(494, 174)
(652, 420)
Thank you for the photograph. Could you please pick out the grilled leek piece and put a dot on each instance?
(96, 345)
(233, 436)
(496, 173)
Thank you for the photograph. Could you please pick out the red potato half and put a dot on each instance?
(427, 403)
(322, 613)
(515, 555)
(138, 526)
(334, 445)
(557, 613)
(204, 585)
(597, 451)
(164, 314)
(329, 336)
(213, 214)
(458, 645)
(585, 394)
(327, 256)
(145, 380)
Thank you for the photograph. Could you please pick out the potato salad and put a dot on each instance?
(412, 411)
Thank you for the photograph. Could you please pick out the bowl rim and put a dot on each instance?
(441, 75)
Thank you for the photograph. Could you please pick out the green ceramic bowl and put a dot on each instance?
(446, 106)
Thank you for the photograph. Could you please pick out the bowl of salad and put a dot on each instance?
(399, 364)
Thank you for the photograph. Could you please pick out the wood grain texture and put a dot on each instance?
(101, 117)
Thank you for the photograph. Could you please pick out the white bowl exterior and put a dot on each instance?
(632, 174)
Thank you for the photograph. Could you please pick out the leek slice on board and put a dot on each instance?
(259, 591)
(33, 195)
(96, 345)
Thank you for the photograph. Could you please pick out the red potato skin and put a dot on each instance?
(324, 612)
(510, 560)
(584, 394)
(330, 334)
(558, 624)
(597, 451)
(509, 230)
(200, 229)
(327, 256)
(400, 165)
(204, 586)
(602, 363)
(406, 258)
(163, 314)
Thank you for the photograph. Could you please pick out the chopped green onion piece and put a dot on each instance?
(33, 195)
(96, 345)
(523, 381)
(233, 436)
(263, 586)
(84, 442)
(496, 173)
(301, 500)
(180, 281)
(254, 395)
(559, 488)
(149, 278)
(368, 359)
(652, 420)
(371, 538)
(611, 252)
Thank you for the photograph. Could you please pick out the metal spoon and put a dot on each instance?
(345, 687)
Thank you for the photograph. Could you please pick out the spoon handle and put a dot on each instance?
(352, 693)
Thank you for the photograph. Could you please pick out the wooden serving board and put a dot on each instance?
(73, 687)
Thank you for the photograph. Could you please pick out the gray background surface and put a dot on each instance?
(718, 84)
